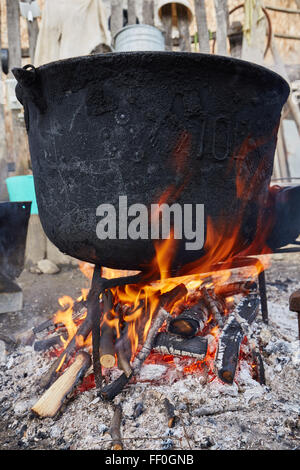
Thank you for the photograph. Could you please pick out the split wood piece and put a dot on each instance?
(213, 304)
(48, 343)
(166, 343)
(52, 400)
(115, 428)
(166, 300)
(203, 34)
(167, 22)
(107, 347)
(190, 321)
(170, 411)
(230, 340)
(183, 28)
(294, 303)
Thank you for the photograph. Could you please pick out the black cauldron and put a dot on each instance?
(146, 125)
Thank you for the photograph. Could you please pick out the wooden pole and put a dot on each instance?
(13, 33)
(254, 37)
(222, 25)
(148, 12)
(281, 69)
(3, 143)
(236, 39)
(183, 27)
(116, 19)
(203, 34)
(20, 144)
(166, 12)
(131, 12)
(33, 31)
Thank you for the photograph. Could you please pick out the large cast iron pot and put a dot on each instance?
(197, 127)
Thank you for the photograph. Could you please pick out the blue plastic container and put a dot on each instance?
(21, 188)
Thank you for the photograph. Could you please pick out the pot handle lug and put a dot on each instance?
(29, 87)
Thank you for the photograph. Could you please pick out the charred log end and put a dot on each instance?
(226, 376)
(110, 391)
(183, 327)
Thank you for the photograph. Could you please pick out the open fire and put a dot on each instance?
(192, 324)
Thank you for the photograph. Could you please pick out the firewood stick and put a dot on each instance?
(115, 428)
(48, 343)
(78, 308)
(124, 364)
(213, 305)
(166, 343)
(170, 411)
(236, 327)
(51, 401)
(107, 348)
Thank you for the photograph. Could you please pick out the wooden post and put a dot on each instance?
(183, 27)
(33, 31)
(148, 12)
(20, 142)
(3, 144)
(236, 39)
(166, 12)
(255, 35)
(222, 26)
(201, 20)
(131, 12)
(281, 69)
(116, 19)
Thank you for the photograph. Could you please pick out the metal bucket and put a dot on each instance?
(140, 37)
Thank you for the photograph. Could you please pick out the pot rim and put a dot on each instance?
(245, 66)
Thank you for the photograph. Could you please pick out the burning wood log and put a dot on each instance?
(190, 321)
(107, 347)
(213, 304)
(51, 401)
(170, 411)
(259, 370)
(166, 300)
(48, 343)
(166, 343)
(78, 309)
(115, 429)
(236, 328)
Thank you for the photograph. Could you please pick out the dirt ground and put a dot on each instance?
(212, 416)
